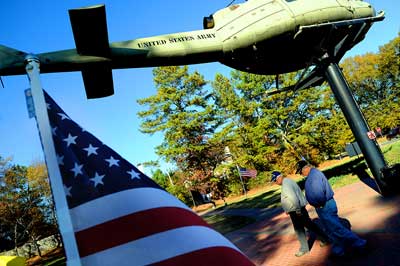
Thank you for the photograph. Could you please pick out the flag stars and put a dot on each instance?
(91, 150)
(134, 174)
(77, 169)
(53, 131)
(67, 191)
(63, 116)
(112, 162)
(60, 159)
(70, 139)
(97, 179)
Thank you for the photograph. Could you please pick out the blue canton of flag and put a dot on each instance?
(122, 217)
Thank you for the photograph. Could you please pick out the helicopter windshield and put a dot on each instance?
(210, 21)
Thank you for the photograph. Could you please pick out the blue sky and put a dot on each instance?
(43, 25)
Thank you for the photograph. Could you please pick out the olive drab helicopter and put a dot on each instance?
(257, 36)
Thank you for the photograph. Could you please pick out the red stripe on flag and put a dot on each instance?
(209, 256)
(131, 227)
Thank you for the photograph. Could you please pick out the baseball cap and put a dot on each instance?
(300, 165)
(275, 175)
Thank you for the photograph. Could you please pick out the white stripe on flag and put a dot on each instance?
(120, 204)
(159, 247)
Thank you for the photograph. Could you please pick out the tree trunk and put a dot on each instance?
(35, 243)
(15, 240)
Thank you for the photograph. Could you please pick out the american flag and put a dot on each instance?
(122, 217)
(244, 172)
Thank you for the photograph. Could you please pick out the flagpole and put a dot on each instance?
(62, 211)
(241, 180)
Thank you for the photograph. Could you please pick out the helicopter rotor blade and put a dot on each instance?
(89, 27)
(11, 61)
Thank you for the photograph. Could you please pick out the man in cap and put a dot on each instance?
(293, 203)
(319, 194)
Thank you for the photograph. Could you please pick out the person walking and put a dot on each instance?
(293, 203)
(319, 194)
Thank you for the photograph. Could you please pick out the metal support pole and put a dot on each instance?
(358, 125)
(57, 187)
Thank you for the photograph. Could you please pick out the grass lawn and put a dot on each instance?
(224, 225)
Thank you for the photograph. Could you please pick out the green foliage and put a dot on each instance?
(392, 153)
(181, 193)
(183, 110)
(260, 180)
(161, 179)
(235, 188)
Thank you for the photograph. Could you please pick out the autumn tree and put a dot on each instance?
(25, 208)
(374, 79)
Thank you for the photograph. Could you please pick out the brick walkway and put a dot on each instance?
(271, 241)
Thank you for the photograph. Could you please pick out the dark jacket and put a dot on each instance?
(318, 190)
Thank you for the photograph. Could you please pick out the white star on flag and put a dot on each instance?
(77, 169)
(60, 159)
(63, 116)
(70, 139)
(53, 131)
(112, 161)
(67, 190)
(97, 179)
(91, 150)
(134, 174)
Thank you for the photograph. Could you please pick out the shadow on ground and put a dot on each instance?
(271, 241)
(267, 199)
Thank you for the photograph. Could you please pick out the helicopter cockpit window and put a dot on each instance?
(208, 22)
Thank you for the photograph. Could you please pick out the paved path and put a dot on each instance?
(271, 240)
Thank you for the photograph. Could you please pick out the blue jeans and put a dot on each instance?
(340, 236)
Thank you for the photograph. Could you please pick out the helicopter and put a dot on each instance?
(256, 36)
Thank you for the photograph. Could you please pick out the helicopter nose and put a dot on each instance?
(373, 11)
(363, 9)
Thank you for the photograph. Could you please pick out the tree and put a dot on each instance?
(374, 78)
(24, 207)
(269, 131)
(38, 180)
(182, 110)
(5, 227)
